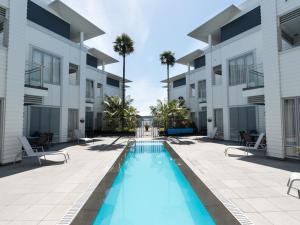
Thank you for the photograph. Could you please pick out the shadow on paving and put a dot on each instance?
(25, 165)
(287, 165)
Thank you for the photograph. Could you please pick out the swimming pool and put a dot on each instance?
(150, 189)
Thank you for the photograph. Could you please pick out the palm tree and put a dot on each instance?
(124, 46)
(114, 111)
(168, 58)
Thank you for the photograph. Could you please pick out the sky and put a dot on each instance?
(155, 26)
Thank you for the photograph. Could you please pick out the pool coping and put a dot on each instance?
(217, 205)
(79, 213)
(86, 208)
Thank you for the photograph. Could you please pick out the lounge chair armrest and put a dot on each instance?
(250, 144)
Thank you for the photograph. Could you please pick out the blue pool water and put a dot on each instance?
(150, 189)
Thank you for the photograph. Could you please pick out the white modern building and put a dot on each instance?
(247, 78)
(50, 82)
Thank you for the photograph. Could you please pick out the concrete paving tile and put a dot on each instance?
(262, 205)
(280, 218)
(10, 212)
(57, 212)
(243, 205)
(258, 219)
(35, 213)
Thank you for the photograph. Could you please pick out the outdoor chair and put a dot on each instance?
(33, 152)
(77, 136)
(259, 145)
(293, 178)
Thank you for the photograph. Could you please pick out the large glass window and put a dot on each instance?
(89, 89)
(242, 119)
(73, 74)
(45, 120)
(202, 90)
(218, 122)
(292, 127)
(72, 121)
(51, 66)
(192, 90)
(238, 69)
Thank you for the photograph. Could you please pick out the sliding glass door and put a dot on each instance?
(72, 121)
(218, 123)
(45, 120)
(292, 127)
(242, 119)
(203, 121)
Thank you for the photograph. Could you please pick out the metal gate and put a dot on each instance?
(146, 128)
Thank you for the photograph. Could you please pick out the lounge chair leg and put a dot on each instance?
(40, 162)
(65, 158)
(288, 183)
(299, 194)
(290, 187)
(68, 155)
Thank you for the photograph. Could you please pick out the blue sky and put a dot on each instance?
(155, 26)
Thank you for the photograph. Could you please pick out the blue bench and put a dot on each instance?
(180, 131)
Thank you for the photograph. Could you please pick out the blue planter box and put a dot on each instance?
(180, 131)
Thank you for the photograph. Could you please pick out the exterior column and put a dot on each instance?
(273, 103)
(14, 87)
(81, 38)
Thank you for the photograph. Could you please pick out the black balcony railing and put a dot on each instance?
(255, 76)
(34, 75)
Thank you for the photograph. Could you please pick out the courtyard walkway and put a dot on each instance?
(255, 184)
(30, 194)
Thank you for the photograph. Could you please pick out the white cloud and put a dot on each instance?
(145, 95)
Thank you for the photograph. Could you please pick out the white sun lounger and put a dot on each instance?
(293, 178)
(250, 146)
(32, 152)
(79, 137)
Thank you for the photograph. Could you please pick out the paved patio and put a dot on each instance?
(30, 194)
(255, 184)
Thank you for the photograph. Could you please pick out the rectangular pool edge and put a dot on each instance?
(217, 210)
(214, 206)
(91, 207)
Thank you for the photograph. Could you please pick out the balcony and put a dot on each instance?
(254, 90)
(34, 84)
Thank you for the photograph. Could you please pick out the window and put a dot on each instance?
(113, 82)
(45, 120)
(199, 62)
(202, 90)
(290, 31)
(192, 90)
(217, 75)
(72, 121)
(51, 66)
(179, 82)
(89, 89)
(238, 69)
(292, 127)
(218, 122)
(242, 119)
(73, 74)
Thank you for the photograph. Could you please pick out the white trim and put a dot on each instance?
(56, 36)
(233, 39)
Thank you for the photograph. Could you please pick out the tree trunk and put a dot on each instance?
(123, 94)
(168, 85)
